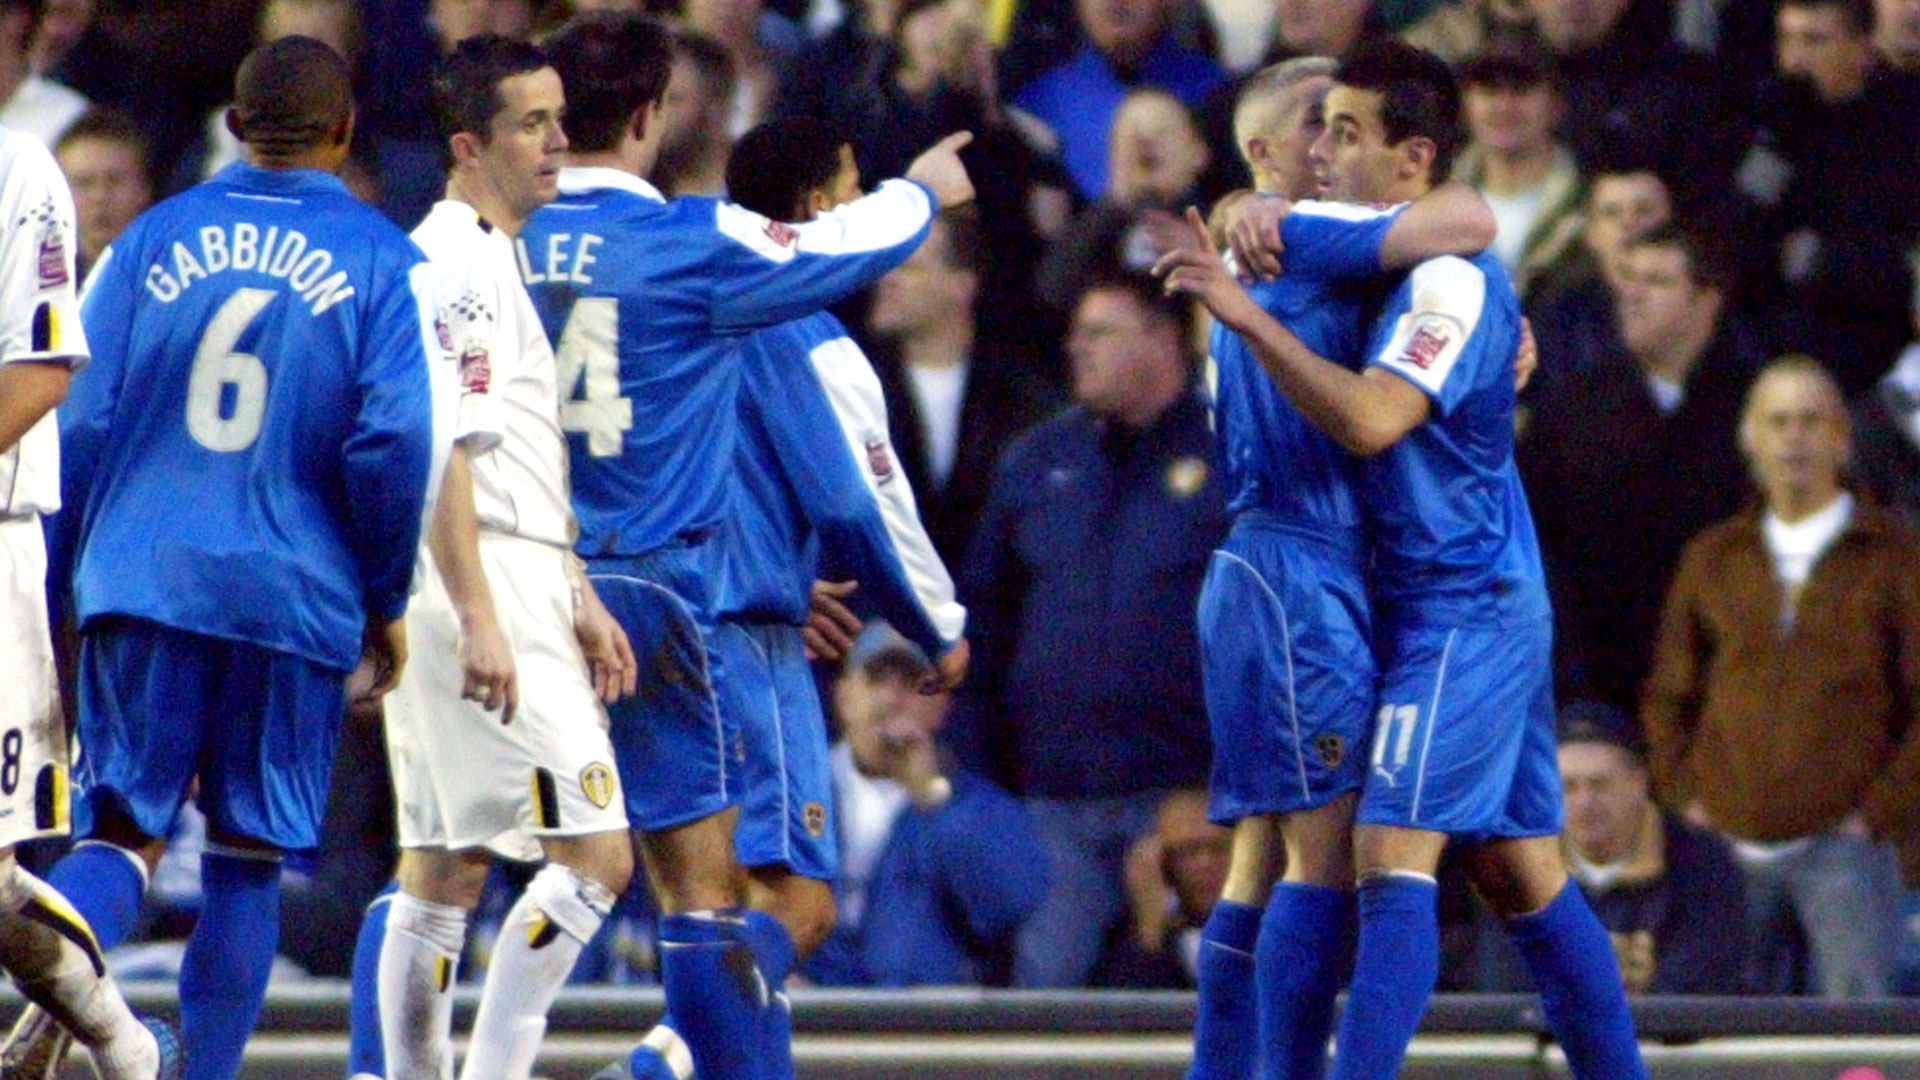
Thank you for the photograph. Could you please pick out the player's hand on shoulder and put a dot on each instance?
(486, 664)
(831, 625)
(940, 169)
(609, 652)
(1252, 232)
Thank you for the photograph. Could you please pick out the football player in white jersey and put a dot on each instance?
(45, 946)
(497, 732)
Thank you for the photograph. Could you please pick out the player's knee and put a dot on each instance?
(605, 858)
(454, 878)
(1381, 849)
(112, 824)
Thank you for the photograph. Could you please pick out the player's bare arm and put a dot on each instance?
(609, 652)
(950, 670)
(29, 391)
(939, 168)
(486, 659)
(1365, 412)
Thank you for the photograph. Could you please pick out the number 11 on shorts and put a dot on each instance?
(1393, 739)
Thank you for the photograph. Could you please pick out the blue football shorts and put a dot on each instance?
(160, 706)
(1288, 669)
(679, 758)
(786, 802)
(1463, 739)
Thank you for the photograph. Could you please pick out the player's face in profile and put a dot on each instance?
(1795, 432)
(1606, 792)
(521, 159)
(1352, 160)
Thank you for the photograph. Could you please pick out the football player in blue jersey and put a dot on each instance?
(646, 302)
(1290, 704)
(816, 479)
(247, 464)
(1462, 743)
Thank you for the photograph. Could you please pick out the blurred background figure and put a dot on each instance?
(1531, 181)
(1081, 582)
(1668, 891)
(698, 110)
(1781, 709)
(104, 154)
(939, 866)
(1174, 877)
(1155, 158)
(29, 100)
(955, 398)
(1625, 461)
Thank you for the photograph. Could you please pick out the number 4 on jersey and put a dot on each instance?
(589, 370)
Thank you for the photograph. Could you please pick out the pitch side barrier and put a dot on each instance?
(321, 1005)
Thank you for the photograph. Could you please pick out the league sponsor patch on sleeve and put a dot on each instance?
(879, 462)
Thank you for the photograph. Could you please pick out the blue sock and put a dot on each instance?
(223, 976)
(1306, 937)
(1571, 959)
(365, 1053)
(715, 991)
(774, 952)
(1393, 976)
(1223, 1032)
(103, 885)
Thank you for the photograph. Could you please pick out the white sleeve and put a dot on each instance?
(467, 324)
(1448, 295)
(39, 308)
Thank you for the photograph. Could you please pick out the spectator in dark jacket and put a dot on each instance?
(1668, 892)
(940, 866)
(1081, 581)
(1628, 459)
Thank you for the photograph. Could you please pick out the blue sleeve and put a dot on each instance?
(387, 454)
(766, 272)
(989, 859)
(1334, 241)
(826, 416)
(86, 417)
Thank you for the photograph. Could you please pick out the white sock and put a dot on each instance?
(417, 963)
(541, 938)
(672, 1049)
(50, 952)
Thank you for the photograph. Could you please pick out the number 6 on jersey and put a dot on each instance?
(214, 422)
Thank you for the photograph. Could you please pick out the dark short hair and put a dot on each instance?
(1419, 98)
(709, 58)
(108, 125)
(1146, 291)
(773, 167)
(290, 95)
(1709, 263)
(613, 66)
(1858, 14)
(1509, 67)
(1590, 721)
(466, 82)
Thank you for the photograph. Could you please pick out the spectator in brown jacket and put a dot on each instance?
(1782, 700)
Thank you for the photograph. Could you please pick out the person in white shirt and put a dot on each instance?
(504, 606)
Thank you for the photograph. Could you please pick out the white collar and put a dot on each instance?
(575, 180)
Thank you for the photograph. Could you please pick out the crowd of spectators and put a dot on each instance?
(1686, 191)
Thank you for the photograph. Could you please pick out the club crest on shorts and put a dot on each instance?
(1186, 476)
(815, 815)
(1331, 748)
(596, 783)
